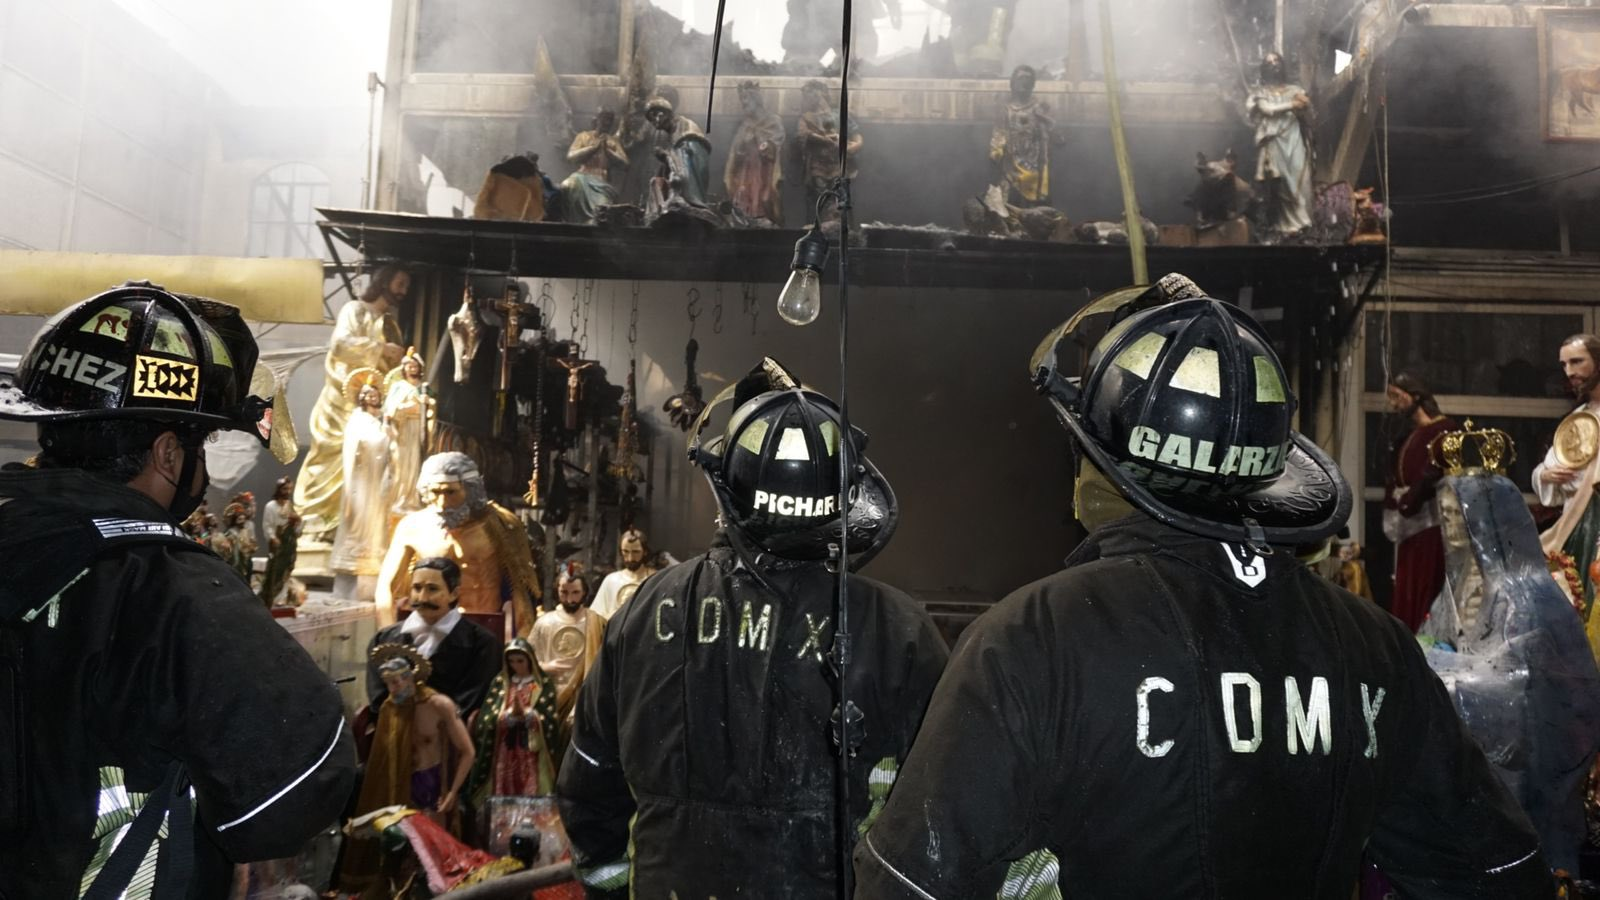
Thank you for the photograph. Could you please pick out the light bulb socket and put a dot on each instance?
(811, 251)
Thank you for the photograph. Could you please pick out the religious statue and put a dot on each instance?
(237, 528)
(1020, 143)
(409, 412)
(1410, 507)
(282, 525)
(685, 170)
(487, 540)
(819, 131)
(517, 732)
(567, 640)
(464, 655)
(617, 588)
(594, 152)
(514, 189)
(365, 336)
(421, 754)
(754, 173)
(364, 502)
(1569, 475)
(465, 334)
(1281, 112)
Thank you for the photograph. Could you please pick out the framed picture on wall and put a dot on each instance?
(1569, 73)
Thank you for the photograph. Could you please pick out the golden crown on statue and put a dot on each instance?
(1495, 450)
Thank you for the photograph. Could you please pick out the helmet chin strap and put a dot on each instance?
(183, 502)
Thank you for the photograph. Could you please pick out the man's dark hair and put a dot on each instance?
(114, 449)
(1591, 344)
(1420, 393)
(446, 568)
(380, 282)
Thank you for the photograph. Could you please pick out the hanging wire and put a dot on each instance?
(633, 327)
(612, 344)
(716, 309)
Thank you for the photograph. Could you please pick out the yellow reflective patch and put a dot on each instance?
(219, 350)
(1269, 387)
(171, 337)
(1140, 357)
(165, 379)
(792, 445)
(830, 437)
(1199, 372)
(753, 435)
(111, 322)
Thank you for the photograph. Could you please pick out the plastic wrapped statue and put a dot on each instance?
(1511, 649)
(516, 732)
(363, 504)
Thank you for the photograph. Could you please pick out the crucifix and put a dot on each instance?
(575, 368)
(510, 335)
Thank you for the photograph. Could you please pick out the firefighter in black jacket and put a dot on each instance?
(703, 733)
(126, 646)
(1186, 710)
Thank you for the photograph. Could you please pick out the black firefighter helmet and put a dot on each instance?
(1185, 407)
(775, 471)
(140, 352)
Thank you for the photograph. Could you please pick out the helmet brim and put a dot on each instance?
(16, 406)
(1308, 502)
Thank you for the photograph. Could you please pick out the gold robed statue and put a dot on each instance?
(365, 336)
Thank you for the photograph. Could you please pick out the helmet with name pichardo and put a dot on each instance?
(141, 352)
(775, 471)
(1186, 408)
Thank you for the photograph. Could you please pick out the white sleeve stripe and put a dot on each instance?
(291, 785)
(579, 750)
(1512, 864)
(896, 872)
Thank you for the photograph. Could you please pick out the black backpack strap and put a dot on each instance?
(175, 865)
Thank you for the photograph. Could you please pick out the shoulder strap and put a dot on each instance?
(175, 866)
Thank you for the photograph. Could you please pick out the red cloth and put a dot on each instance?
(1418, 560)
(1418, 576)
(446, 860)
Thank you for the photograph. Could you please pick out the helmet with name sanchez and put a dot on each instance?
(775, 471)
(141, 352)
(1185, 407)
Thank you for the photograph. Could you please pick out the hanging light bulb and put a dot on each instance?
(800, 302)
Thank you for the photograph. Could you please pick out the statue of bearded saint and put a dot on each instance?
(487, 540)
(409, 411)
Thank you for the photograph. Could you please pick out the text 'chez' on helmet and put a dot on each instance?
(775, 471)
(1185, 407)
(139, 352)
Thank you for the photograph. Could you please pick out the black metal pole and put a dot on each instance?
(841, 634)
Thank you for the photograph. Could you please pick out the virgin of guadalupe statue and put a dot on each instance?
(364, 507)
(409, 411)
(515, 731)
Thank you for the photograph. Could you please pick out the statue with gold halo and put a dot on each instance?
(409, 411)
(487, 540)
(365, 336)
(367, 462)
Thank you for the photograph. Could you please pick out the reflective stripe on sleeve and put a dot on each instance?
(896, 872)
(291, 785)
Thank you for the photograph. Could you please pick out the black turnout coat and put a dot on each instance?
(1176, 717)
(706, 722)
(144, 648)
